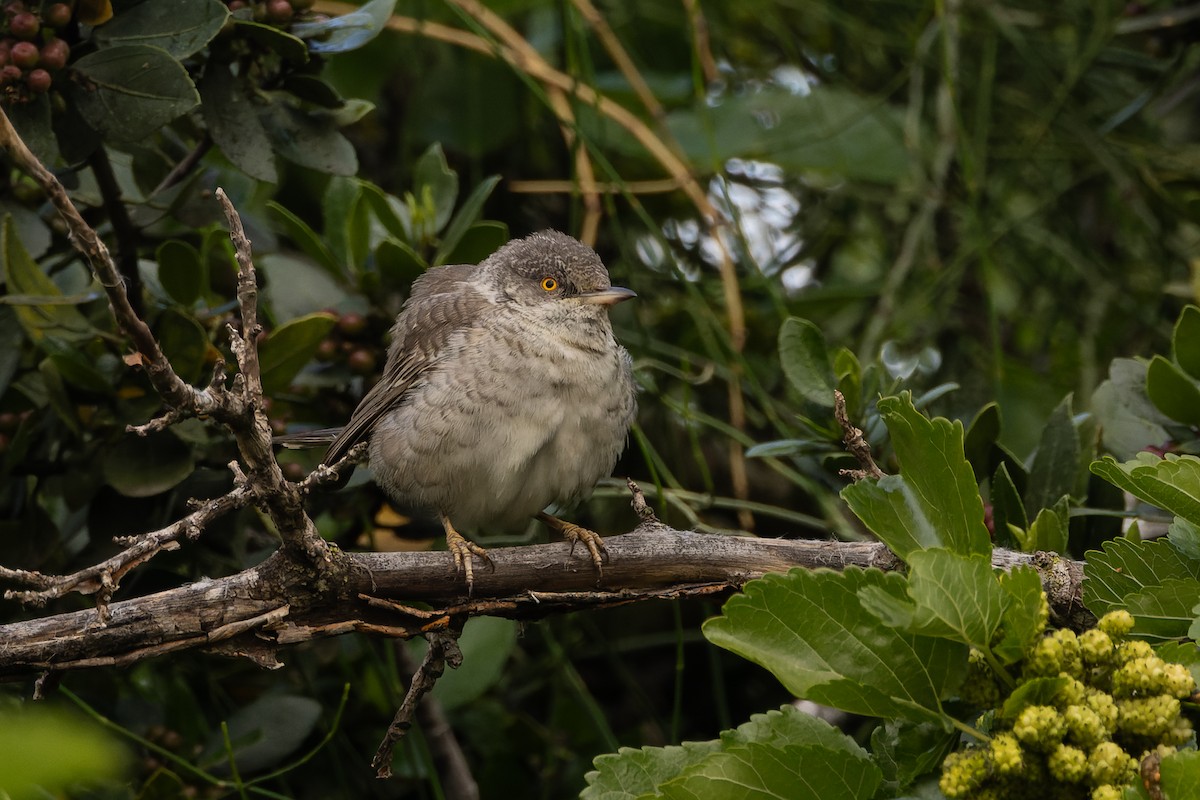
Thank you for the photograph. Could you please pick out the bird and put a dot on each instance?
(505, 392)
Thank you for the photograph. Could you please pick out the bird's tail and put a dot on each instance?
(301, 440)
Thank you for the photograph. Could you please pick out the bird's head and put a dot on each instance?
(553, 270)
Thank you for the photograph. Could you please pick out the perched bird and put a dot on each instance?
(505, 391)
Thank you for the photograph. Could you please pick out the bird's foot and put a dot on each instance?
(462, 549)
(576, 534)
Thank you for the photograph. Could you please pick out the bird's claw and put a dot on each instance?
(592, 541)
(462, 550)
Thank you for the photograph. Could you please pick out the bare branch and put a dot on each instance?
(858, 447)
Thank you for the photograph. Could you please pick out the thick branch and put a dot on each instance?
(256, 612)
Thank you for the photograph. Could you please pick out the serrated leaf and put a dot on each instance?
(127, 92)
(306, 239)
(234, 124)
(1123, 567)
(1184, 537)
(480, 241)
(905, 751)
(143, 466)
(347, 31)
(22, 275)
(290, 347)
(629, 773)
(1172, 482)
(181, 27)
(434, 175)
(934, 502)
(1022, 588)
(805, 361)
(1164, 611)
(957, 597)
(1056, 462)
(180, 271)
(1179, 775)
(797, 772)
(1172, 392)
(467, 216)
(1185, 341)
(811, 632)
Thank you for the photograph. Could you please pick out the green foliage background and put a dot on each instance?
(983, 204)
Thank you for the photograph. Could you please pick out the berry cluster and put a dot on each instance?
(31, 53)
(1104, 702)
(273, 12)
(353, 341)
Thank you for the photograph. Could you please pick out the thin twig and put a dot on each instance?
(855, 443)
(185, 166)
(453, 769)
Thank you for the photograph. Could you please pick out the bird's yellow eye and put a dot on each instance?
(549, 284)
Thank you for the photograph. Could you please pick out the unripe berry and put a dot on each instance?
(58, 15)
(24, 25)
(1116, 623)
(25, 54)
(55, 54)
(38, 81)
(1067, 764)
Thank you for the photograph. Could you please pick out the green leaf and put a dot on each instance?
(934, 502)
(467, 216)
(1185, 537)
(1165, 611)
(306, 239)
(263, 733)
(1019, 625)
(338, 203)
(348, 31)
(313, 90)
(1179, 775)
(1172, 483)
(1056, 462)
(848, 373)
(128, 92)
(33, 121)
(285, 45)
(391, 212)
(234, 124)
(296, 286)
(76, 366)
(181, 27)
(957, 597)
(480, 241)
(905, 751)
(486, 644)
(1049, 529)
(310, 140)
(46, 751)
(805, 361)
(1007, 508)
(180, 271)
(290, 347)
(1033, 692)
(980, 438)
(1172, 392)
(143, 466)
(434, 175)
(22, 275)
(812, 633)
(183, 342)
(1124, 567)
(55, 395)
(1129, 422)
(630, 773)
(399, 265)
(1185, 343)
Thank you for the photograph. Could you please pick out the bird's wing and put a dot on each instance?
(443, 302)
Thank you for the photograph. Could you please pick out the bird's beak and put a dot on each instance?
(608, 297)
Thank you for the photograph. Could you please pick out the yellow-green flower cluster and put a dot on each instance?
(1103, 702)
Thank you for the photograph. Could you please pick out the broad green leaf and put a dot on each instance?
(183, 342)
(1179, 775)
(805, 361)
(486, 644)
(143, 466)
(337, 208)
(980, 438)
(1049, 529)
(629, 773)
(306, 239)
(811, 632)
(33, 122)
(180, 271)
(467, 216)
(934, 502)
(1172, 482)
(480, 241)
(127, 92)
(296, 286)
(285, 45)
(347, 31)
(1172, 392)
(432, 174)
(1007, 508)
(264, 733)
(1056, 462)
(76, 366)
(310, 140)
(789, 726)
(181, 27)
(391, 212)
(399, 265)
(1185, 537)
(795, 772)
(234, 124)
(22, 275)
(1019, 625)
(1165, 611)
(957, 597)
(46, 751)
(290, 347)
(1185, 343)
(905, 751)
(359, 227)
(313, 90)
(1124, 567)
(1129, 422)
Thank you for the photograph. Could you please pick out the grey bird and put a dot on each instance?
(505, 392)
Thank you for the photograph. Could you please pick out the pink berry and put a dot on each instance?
(24, 25)
(55, 54)
(58, 15)
(25, 54)
(279, 11)
(39, 81)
